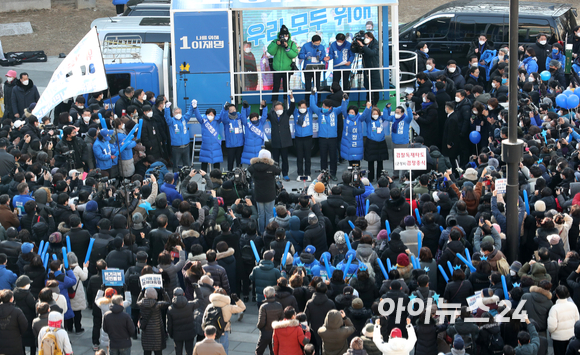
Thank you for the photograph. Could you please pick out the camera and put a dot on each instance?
(68, 153)
(282, 40)
(184, 171)
(436, 181)
(239, 177)
(357, 174)
(325, 177)
(156, 172)
(355, 47)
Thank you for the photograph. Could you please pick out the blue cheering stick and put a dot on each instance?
(468, 255)
(326, 264)
(382, 266)
(466, 262)
(505, 290)
(439, 209)
(389, 264)
(274, 208)
(140, 129)
(286, 250)
(347, 240)
(414, 262)
(450, 267)
(388, 227)
(54, 257)
(418, 216)
(443, 273)
(347, 266)
(367, 207)
(103, 122)
(68, 247)
(40, 247)
(527, 202)
(544, 133)
(351, 224)
(64, 258)
(256, 255)
(89, 250)
(419, 241)
(45, 262)
(441, 228)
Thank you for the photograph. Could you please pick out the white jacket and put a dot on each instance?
(61, 338)
(561, 319)
(563, 230)
(395, 346)
(60, 301)
(79, 302)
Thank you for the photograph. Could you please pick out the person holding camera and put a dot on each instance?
(284, 51)
(71, 142)
(371, 59)
(264, 173)
(351, 187)
(312, 53)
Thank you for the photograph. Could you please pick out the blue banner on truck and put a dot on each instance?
(201, 42)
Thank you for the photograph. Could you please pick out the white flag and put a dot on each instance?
(81, 72)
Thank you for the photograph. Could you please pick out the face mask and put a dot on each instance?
(25, 82)
(279, 112)
(451, 70)
(457, 99)
(9, 79)
(69, 118)
(178, 116)
(426, 50)
(150, 114)
(504, 81)
(255, 122)
(493, 85)
(210, 118)
(339, 43)
(554, 51)
(375, 117)
(325, 110)
(542, 42)
(578, 34)
(521, 124)
(153, 99)
(367, 40)
(481, 43)
(286, 37)
(429, 67)
(351, 116)
(512, 273)
(560, 113)
(500, 57)
(369, 29)
(233, 115)
(473, 64)
(123, 126)
(302, 110)
(247, 50)
(531, 79)
(424, 99)
(397, 116)
(86, 118)
(81, 106)
(474, 112)
(27, 287)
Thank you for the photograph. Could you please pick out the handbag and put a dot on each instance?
(72, 292)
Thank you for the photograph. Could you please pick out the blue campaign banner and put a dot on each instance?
(289, 4)
(201, 42)
(113, 277)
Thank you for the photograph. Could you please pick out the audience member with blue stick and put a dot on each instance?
(326, 264)
(286, 250)
(468, 263)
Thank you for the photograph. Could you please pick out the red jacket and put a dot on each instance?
(289, 338)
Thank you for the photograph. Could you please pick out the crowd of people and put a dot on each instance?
(87, 193)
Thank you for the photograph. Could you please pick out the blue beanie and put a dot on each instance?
(91, 206)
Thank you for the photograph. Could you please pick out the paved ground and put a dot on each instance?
(243, 338)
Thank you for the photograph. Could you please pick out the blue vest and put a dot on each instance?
(375, 129)
(327, 122)
(400, 134)
(304, 130)
(178, 128)
(211, 142)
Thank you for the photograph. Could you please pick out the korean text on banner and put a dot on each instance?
(151, 280)
(113, 277)
(501, 186)
(81, 72)
(410, 158)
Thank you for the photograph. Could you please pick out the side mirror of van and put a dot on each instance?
(413, 34)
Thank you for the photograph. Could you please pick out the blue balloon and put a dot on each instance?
(562, 101)
(573, 101)
(545, 75)
(568, 92)
(577, 92)
(474, 137)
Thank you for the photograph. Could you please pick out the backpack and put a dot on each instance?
(248, 257)
(215, 317)
(49, 344)
(369, 267)
(503, 267)
(495, 343)
(133, 284)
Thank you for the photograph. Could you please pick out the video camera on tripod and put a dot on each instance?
(240, 177)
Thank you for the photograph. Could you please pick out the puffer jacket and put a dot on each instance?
(65, 282)
(288, 335)
(351, 144)
(334, 333)
(103, 151)
(316, 310)
(561, 320)
(394, 211)
(79, 302)
(211, 140)
(202, 293)
(223, 302)
(24, 300)
(218, 275)
(282, 55)
(395, 346)
(367, 290)
(359, 318)
(264, 173)
(105, 305)
(284, 296)
(228, 262)
(374, 223)
(254, 137)
(14, 326)
(270, 311)
(153, 337)
(264, 275)
(180, 318)
(537, 273)
(538, 304)
(574, 345)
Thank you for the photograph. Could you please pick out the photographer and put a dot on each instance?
(72, 143)
(190, 189)
(370, 51)
(168, 187)
(284, 51)
(144, 195)
(351, 186)
(317, 189)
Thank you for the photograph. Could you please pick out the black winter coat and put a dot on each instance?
(334, 208)
(391, 321)
(62, 214)
(157, 239)
(37, 275)
(122, 103)
(120, 259)
(451, 136)
(79, 242)
(228, 262)
(180, 320)
(13, 326)
(316, 309)
(428, 121)
(458, 291)
(151, 137)
(90, 221)
(281, 136)
(264, 173)
(371, 59)
(22, 96)
(315, 234)
(8, 87)
(302, 295)
(463, 110)
(427, 338)
(119, 327)
(284, 296)
(153, 337)
(24, 300)
(270, 311)
(394, 211)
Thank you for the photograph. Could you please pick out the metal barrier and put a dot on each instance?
(413, 75)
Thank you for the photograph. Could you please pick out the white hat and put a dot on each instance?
(18, 124)
(264, 154)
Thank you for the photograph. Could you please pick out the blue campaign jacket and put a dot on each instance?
(326, 121)
(126, 154)
(402, 132)
(103, 151)
(65, 282)
(340, 54)
(233, 129)
(559, 57)
(303, 123)
(351, 143)
(178, 128)
(254, 136)
(375, 128)
(211, 145)
(312, 54)
(18, 201)
(530, 64)
(170, 190)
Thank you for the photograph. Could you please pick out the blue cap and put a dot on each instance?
(310, 249)
(26, 248)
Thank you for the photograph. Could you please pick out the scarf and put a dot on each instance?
(474, 77)
(300, 119)
(395, 125)
(425, 105)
